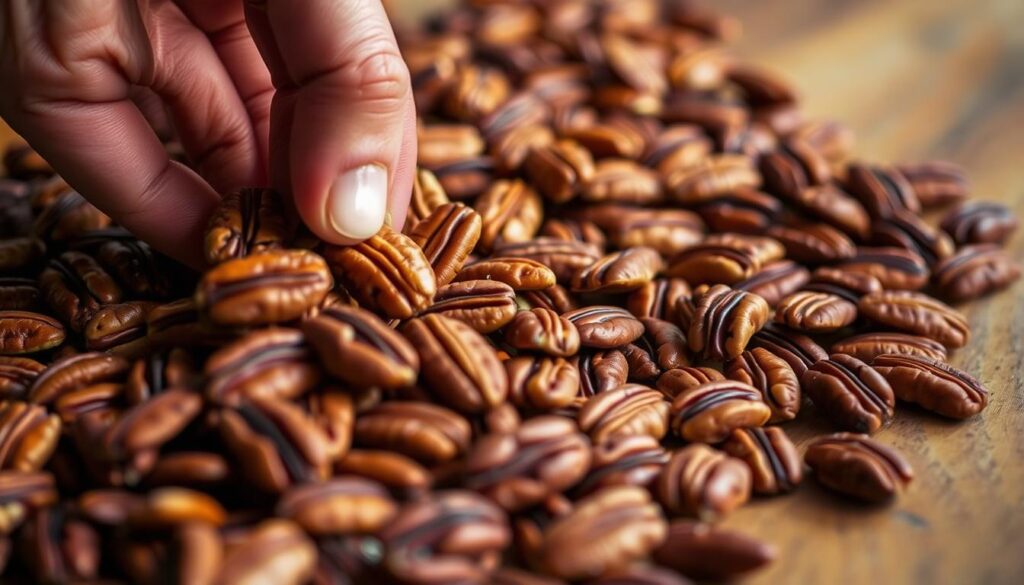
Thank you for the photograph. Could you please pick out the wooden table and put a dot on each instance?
(916, 79)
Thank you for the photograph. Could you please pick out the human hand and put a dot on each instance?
(314, 91)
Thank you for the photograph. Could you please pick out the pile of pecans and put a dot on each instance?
(625, 258)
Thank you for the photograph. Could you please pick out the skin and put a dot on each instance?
(294, 95)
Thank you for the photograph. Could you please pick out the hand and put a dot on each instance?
(316, 91)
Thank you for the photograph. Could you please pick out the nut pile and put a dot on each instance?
(629, 259)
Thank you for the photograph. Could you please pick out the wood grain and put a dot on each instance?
(916, 79)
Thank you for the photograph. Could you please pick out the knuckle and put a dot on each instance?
(380, 80)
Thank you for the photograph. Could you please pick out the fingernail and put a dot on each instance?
(358, 201)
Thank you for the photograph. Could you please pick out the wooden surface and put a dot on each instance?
(916, 79)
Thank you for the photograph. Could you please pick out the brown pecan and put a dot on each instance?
(29, 435)
(425, 432)
(621, 271)
(935, 385)
(75, 372)
(68, 216)
(467, 178)
(773, 377)
(868, 346)
(445, 143)
(563, 257)
(542, 383)
(19, 254)
(773, 459)
(427, 195)
(623, 460)
(402, 475)
(710, 412)
(883, 191)
(658, 299)
(270, 287)
(559, 170)
(858, 466)
(269, 363)
(703, 482)
(546, 455)
(605, 140)
(511, 212)
(139, 269)
(775, 281)
(484, 305)
(357, 347)
(622, 181)
(180, 322)
(572, 230)
(518, 273)
(545, 331)
(16, 376)
(476, 92)
(792, 168)
(713, 264)
(511, 148)
(605, 327)
(849, 392)
(119, 329)
(723, 320)
(813, 243)
(834, 206)
(601, 371)
(556, 298)
(75, 287)
(936, 183)
(661, 347)
(701, 68)
(668, 231)
(907, 230)
(629, 61)
(678, 380)
(457, 365)
(387, 273)
(447, 236)
(247, 221)
(631, 409)
(972, 222)
(59, 548)
(193, 469)
(23, 332)
(606, 530)
(702, 551)
(274, 546)
(744, 210)
(22, 491)
(895, 268)
(848, 285)
(341, 505)
(712, 177)
(974, 271)
(917, 313)
(19, 294)
(815, 312)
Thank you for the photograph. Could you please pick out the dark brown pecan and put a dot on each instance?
(703, 482)
(270, 287)
(773, 377)
(151, 424)
(712, 177)
(702, 551)
(119, 329)
(545, 331)
(23, 332)
(678, 380)
(268, 363)
(16, 376)
(868, 346)
(761, 248)
(541, 383)
(623, 460)
(556, 298)
(274, 546)
(484, 305)
(895, 268)
(792, 168)
(345, 504)
(20, 254)
(710, 412)
(22, 491)
(511, 148)
(907, 230)
(546, 455)
(622, 181)
(848, 285)
(661, 347)
(974, 222)
(630, 61)
(138, 268)
(29, 435)
(630, 409)
(475, 93)
(59, 548)
(834, 206)
(659, 299)
(387, 273)
(621, 271)
(936, 183)
(723, 320)
(813, 243)
(428, 433)
(192, 469)
(570, 230)
(601, 371)
(917, 313)
(668, 231)
(559, 170)
(773, 459)
(451, 536)
(606, 530)
(22, 162)
(511, 212)
(447, 236)
(75, 372)
(467, 178)
(19, 294)
(400, 474)
(275, 443)
(775, 280)
(605, 139)
(190, 551)
(815, 312)
(247, 221)
(518, 273)
(68, 216)
(180, 322)
(427, 195)
(713, 264)
(935, 385)
(744, 210)
(605, 327)
(356, 347)
(75, 287)
(458, 366)
(883, 191)
(849, 392)
(974, 271)
(858, 466)
(563, 257)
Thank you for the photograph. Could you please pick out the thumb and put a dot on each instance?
(345, 102)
